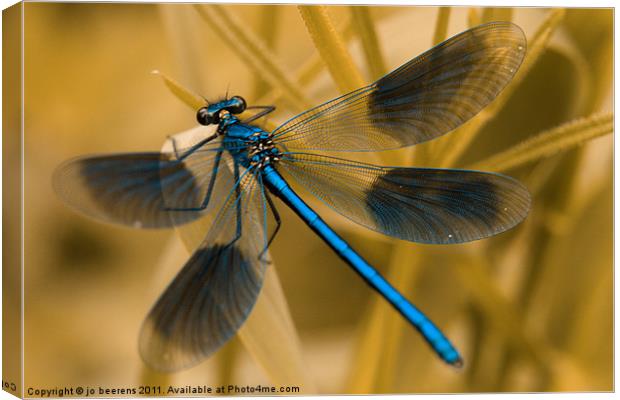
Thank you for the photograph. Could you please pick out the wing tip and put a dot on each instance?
(160, 354)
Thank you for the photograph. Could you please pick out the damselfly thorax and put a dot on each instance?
(249, 145)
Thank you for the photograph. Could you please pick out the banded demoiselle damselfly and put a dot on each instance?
(230, 176)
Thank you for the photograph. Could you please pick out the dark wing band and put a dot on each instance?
(425, 98)
(217, 288)
(417, 204)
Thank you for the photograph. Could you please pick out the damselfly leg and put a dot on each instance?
(261, 114)
(191, 149)
(278, 220)
(205, 202)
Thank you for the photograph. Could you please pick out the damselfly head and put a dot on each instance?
(211, 114)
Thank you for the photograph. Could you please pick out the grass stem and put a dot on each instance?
(547, 143)
(441, 26)
(364, 27)
(331, 48)
(253, 52)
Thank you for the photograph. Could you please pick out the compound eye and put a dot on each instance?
(238, 105)
(202, 116)
(206, 117)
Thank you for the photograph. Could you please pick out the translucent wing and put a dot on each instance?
(425, 98)
(129, 188)
(214, 292)
(418, 204)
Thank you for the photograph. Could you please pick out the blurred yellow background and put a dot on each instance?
(531, 309)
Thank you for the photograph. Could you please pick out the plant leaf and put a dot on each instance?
(192, 100)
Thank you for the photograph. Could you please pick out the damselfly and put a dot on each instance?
(230, 176)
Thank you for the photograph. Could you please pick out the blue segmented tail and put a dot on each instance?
(421, 322)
